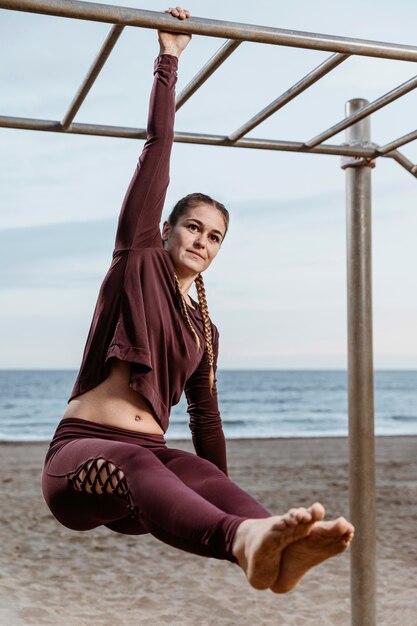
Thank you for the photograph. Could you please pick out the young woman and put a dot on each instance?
(108, 463)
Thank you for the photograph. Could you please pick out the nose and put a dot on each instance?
(200, 241)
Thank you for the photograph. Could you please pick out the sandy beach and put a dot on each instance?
(51, 575)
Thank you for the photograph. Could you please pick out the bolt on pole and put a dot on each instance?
(360, 374)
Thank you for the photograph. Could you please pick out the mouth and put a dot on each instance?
(196, 254)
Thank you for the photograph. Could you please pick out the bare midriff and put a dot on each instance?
(114, 403)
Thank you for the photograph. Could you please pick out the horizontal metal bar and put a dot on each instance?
(206, 71)
(92, 74)
(401, 141)
(213, 28)
(199, 138)
(214, 140)
(392, 95)
(303, 84)
(270, 144)
(26, 123)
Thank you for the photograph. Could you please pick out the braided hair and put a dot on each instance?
(184, 311)
(202, 300)
(189, 202)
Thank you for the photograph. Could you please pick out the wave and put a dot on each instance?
(404, 418)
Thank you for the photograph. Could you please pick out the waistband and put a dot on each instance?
(76, 428)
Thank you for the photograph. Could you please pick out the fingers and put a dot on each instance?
(182, 14)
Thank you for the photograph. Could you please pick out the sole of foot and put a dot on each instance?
(325, 539)
(267, 539)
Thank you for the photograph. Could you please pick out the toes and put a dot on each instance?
(302, 515)
(297, 516)
(317, 511)
(343, 526)
(339, 529)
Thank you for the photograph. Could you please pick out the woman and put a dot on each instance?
(108, 463)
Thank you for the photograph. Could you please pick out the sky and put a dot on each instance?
(277, 290)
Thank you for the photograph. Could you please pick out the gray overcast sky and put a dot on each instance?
(277, 290)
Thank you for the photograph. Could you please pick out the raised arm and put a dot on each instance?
(205, 421)
(140, 215)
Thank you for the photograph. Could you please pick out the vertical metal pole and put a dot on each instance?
(360, 376)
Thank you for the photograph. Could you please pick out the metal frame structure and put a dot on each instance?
(359, 155)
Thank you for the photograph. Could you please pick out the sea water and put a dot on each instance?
(253, 403)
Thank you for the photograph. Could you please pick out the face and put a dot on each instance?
(195, 239)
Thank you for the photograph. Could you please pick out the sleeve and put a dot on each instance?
(140, 215)
(205, 421)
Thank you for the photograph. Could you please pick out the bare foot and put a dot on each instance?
(324, 540)
(259, 543)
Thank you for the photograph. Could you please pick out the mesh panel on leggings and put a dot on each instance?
(101, 476)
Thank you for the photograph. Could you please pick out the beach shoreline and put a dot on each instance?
(52, 575)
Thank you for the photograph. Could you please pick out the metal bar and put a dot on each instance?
(371, 107)
(199, 138)
(360, 380)
(206, 71)
(26, 123)
(401, 141)
(397, 156)
(290, 94)
(402, 160)
(92, 74)
(126, 132)
(213, 28)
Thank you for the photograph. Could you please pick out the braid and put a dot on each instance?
(184, 311)
(202, 300)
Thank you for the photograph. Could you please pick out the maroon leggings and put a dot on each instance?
(133, 484)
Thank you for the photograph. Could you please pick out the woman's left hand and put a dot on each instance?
(174, 43)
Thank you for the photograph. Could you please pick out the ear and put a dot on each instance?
(165, 230)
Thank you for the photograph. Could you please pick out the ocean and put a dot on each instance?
(257, 403)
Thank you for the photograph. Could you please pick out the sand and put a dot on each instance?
(51, 575)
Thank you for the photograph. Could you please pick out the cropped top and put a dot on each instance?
(137, 317)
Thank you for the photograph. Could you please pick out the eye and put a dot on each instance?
(193, 227)
(215, 238)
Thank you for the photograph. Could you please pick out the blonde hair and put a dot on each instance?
(208, 337)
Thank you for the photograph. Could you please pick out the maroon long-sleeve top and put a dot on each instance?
(137, 317)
